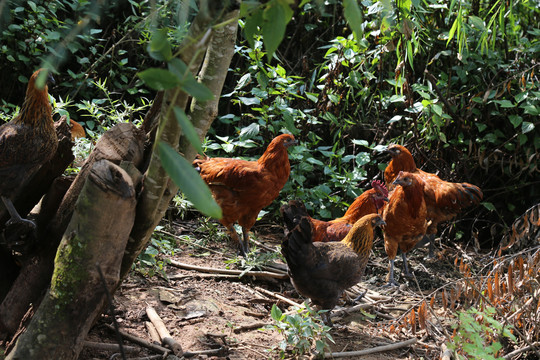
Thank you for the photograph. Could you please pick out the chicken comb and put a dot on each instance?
(379, 186)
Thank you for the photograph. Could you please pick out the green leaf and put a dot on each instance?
(437, 109)
(488, 205)
(196, 89)
(159, 47)
(276, 313)
(527, 127)
(531, 110)
(188, 129)
(188, 180)
(353, 15)
(188, 82)
(477, 23)
(516, 120)
(251, 26)
(249, 101)
(159, 79)
(505, 103)
(275, 16)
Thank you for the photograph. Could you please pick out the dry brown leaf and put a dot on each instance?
(510, 279)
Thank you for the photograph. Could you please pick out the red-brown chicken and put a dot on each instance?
(242, 188)
(444, 200)
(26, 143)
(322, 271)
(369, 202)
(406, 219)
(77, 131)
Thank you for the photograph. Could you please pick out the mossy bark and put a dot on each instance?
(95, 237)
(124, 142)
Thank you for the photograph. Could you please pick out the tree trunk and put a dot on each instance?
(68, 309)
(122, 142)
(95, 237)
(28, 197)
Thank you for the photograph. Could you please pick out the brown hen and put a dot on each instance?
(26, 143)
(243, 188)
(406, 219)
(444, 200)
(369, 202)
(322, 271)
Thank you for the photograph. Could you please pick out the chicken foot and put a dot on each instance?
(15, 217)
(245, 242)
(428, 239)
(243, 245)
(391, 280)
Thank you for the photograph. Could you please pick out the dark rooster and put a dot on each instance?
(323, 271)
(406, 219)
(369, 202)
(242, 188)
(444, 200)
(26, 143)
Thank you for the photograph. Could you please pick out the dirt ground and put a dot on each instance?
(209, 311)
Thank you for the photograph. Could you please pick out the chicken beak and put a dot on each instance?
(50, 79)
(290, 143)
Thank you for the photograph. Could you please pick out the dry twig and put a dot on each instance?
(374, 350)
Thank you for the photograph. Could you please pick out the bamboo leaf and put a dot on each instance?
(188, 180)
(251, 26)
(353, 15)
(188, 129)
(276, 16)
(159, 79)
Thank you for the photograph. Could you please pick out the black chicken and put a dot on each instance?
(323, 270)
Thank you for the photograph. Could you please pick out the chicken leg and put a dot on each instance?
(245, 242)
(15, 217)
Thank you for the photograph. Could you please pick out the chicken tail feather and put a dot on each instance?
(294, 247)
(471, 194)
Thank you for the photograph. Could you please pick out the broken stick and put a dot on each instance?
(372, 350)
(166, 338)
(270, 274)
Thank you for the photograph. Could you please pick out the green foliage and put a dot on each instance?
(478, 335)
(456, 83)
(188, 180)
(301, 331)
(254, 260)
(83, 41)
(149, 261)
(271, 17)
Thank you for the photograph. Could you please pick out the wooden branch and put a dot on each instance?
(278, 296)
(374, 350)
(137, 340)
(346, 311)
(152, 331)
(228, 271)
(122, 142)
(166, 338)
(112, 347)
(446, 354)
(251, 326)
(204, 276)
(522, 350)
(220, 352)
(96, 236)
